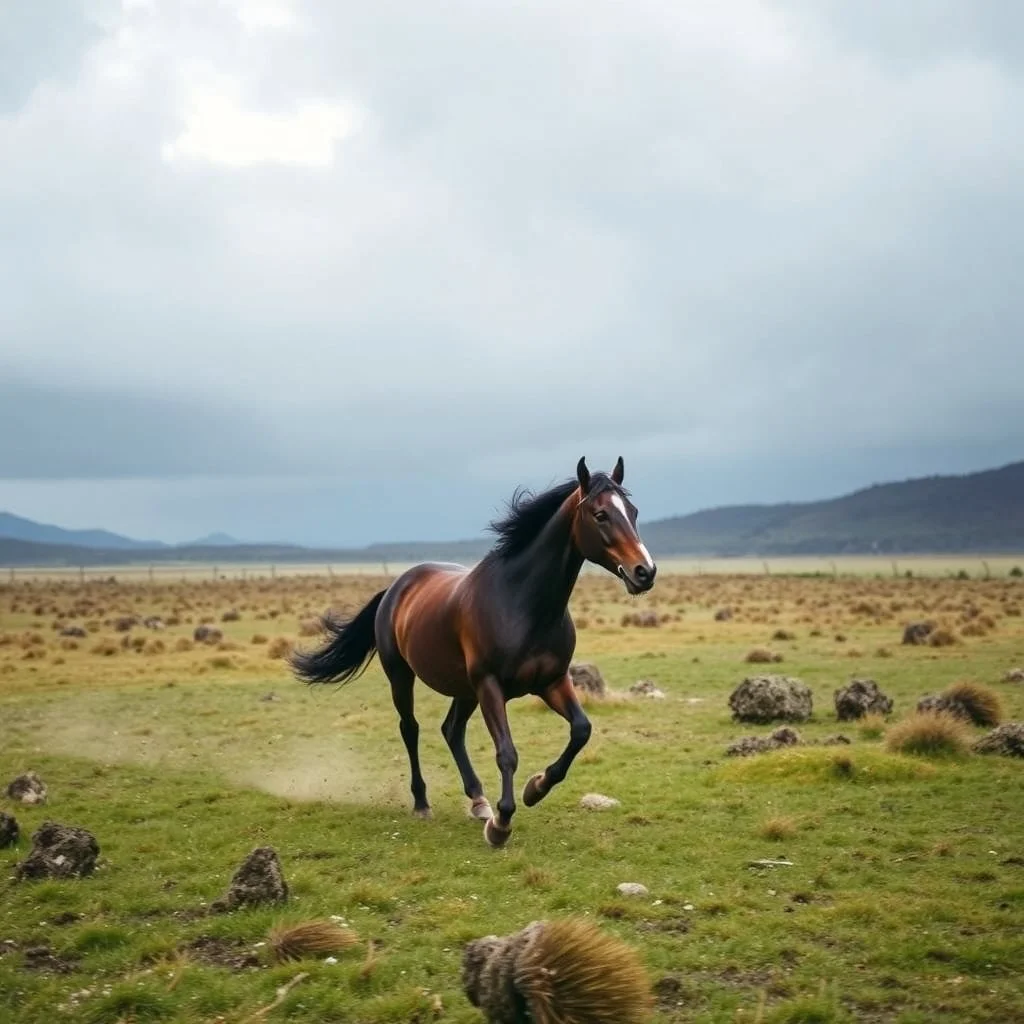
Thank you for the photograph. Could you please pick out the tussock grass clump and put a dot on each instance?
(872, 726)
(929, 734)
(309, 938)
(980, 703)
(802, 766)
(762, 656)
(279, 647)
(777, 828)
(561, 972)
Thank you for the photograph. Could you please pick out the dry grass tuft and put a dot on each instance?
(309, 938)
(574, 972)
(980, 703)
(777, 828)
(872, 726)
(279, 647)
(762, 656)
(929, 734)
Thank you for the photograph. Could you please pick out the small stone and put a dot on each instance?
(598, 802)
(587, 677)
(1015, 675)
(632, 889)
(258, 880)
(9, 830)
(646, 688)
(27, 789)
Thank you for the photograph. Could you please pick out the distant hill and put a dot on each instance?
(976, 512)
(212, 540)
(16, 528)
(981, 511)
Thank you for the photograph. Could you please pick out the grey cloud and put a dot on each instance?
(728, 241)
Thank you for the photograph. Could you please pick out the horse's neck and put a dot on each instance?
(545, 574)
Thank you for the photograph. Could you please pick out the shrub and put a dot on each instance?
(980, 703)
(929, 734)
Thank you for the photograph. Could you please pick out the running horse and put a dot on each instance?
(501, 630)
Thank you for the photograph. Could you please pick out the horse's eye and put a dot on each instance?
(601, 516)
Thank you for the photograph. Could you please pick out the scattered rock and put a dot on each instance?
(645, 620)
(75, 631)
(771, 698)
(587, 677)
(836, 740)
(723, 615)
(782, 737)
(257, 880)
(205, 634)
(9, 830)
(1015, 675)
(598, 802)
(762, 656)
(28, 789)
(917, 632)
(646, 688)
(153, 622)
(59, 851)
(1006, 739)
(269, 697)
(860, 697)
(632, 889)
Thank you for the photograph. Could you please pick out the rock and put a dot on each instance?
(75, 631)
(9, 830)
(59, 851)
(836, 740)
(1015, 675)
(204, 634)
(723, 615)
(597, 802)
(587, 677)
(645, 619)
(858, 698)
(645, 688)
(257, 880)
(27, 789)
(782, 737)
(631, 889)
(153, 622)
(917, 632)
(771, 698)
(1006, 739)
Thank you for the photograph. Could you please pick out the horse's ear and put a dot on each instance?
(583, 474)
(619, 471)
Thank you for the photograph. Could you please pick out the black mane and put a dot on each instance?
(528, 513)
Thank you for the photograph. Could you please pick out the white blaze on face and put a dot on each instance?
(620, 506)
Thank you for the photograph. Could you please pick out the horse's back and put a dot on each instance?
(421, 614)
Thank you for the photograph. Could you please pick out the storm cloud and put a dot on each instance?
(341, 273)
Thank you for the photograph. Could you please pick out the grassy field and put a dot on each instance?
(904, 900)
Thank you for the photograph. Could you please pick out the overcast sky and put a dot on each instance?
(339, 272)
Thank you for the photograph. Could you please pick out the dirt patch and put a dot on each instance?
(233, 954)
(42, 960)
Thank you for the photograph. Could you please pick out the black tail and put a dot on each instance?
(348, 651)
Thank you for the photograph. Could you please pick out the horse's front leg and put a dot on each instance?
(498, 827)
(561, 698)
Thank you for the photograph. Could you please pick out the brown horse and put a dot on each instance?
(500, 630)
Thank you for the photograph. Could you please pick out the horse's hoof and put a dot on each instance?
(422, 812)
(533, 792)
(495, 835)
(481, 809)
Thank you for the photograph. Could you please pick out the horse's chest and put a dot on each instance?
(536, 672)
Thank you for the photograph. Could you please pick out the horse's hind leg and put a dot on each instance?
(561, 698)
(453, 729)
(402, 678)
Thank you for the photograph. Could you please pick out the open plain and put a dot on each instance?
(897, 892)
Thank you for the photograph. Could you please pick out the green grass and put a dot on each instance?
(904, 901)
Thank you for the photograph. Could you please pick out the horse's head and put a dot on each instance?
(604, 528)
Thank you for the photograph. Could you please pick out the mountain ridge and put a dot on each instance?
(981, 511)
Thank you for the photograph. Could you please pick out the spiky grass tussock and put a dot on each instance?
(566, 971)
(929, 734)
(309, 938)
(980, 703)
